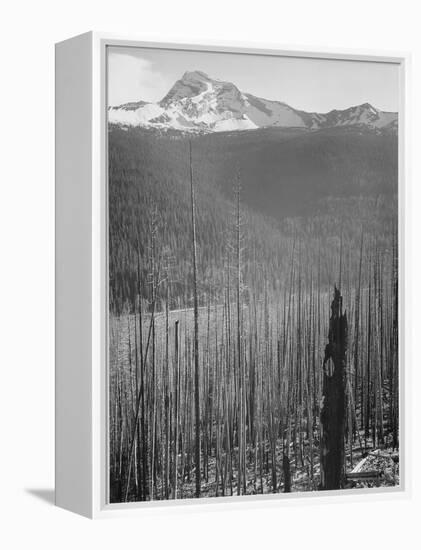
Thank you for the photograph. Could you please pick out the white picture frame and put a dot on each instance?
(81, 277)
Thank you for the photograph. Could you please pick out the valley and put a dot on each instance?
(282, 216)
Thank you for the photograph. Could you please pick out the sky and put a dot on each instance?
(318, 85)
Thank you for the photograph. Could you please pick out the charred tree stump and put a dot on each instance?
(333, 414)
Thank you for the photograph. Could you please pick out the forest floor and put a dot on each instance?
(384, 461)
(305, 469)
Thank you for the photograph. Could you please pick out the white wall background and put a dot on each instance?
(28, 33)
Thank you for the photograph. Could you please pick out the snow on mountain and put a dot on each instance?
(364, 114)
(199, 103)
(265, 112)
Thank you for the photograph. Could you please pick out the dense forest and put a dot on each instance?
(253, 332)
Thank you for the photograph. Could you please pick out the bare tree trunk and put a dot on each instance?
(357, 325)
(196, 334)
(240, 365)
(332, 414)
(167, 396)
(287, 473)
(176, 406)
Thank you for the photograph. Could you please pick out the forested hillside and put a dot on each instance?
(253, 312)
(296, 185)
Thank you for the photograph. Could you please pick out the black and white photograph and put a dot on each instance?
(253, 261)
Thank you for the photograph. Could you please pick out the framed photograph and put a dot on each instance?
(230, 252)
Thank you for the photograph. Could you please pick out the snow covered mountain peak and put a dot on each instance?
(199, 103)
(191, 84)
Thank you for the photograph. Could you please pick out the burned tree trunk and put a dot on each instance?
(287, 473)
(196, 334)
(332, 416)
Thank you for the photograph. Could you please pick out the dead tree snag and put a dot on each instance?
(332, 415)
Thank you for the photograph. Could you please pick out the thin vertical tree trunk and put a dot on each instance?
(167, 394)
(176, 406)
(287, 473)
(357, 324)
(196, 332)
(240, 365)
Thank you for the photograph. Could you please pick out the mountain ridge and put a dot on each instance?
(198, 103)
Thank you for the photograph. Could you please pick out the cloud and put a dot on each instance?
(133, 78)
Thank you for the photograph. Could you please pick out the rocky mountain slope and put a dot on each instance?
(198, 103)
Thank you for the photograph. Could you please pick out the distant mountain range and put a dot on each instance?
(198, 103)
